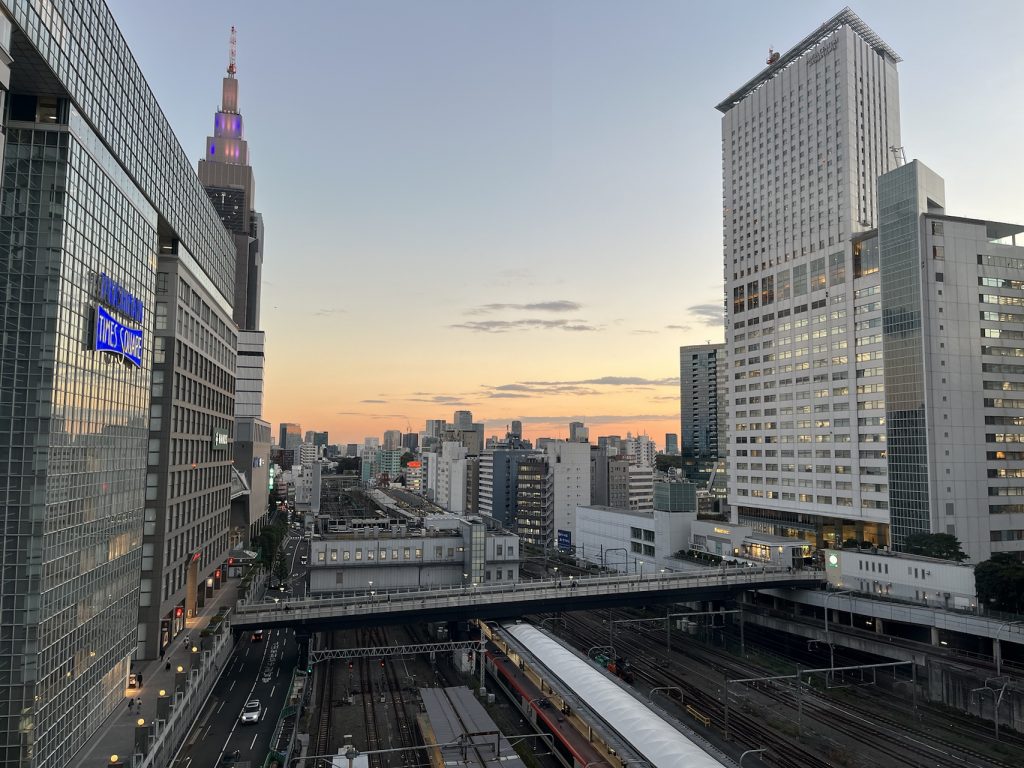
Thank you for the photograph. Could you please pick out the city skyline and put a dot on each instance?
(595, 110)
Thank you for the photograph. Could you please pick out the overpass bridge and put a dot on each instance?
(495, 600)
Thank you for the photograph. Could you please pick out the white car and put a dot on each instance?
(251, 712)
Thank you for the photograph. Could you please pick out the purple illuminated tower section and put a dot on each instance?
(227, 176)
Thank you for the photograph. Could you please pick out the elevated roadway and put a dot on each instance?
(502, 601)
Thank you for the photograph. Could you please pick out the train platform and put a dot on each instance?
(117, 734)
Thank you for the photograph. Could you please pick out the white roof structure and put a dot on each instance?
(661, 744)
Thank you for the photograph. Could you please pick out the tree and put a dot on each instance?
(1000, 582)
(281, 570)
(944, 546)
(663, 461)
(407, 457)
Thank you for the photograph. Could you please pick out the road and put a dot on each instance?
(255, 670)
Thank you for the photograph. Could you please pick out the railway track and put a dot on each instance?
(898, 741)
(408, 757)
(370, 725)
(747, 729)
(910, 737)
(323, 734)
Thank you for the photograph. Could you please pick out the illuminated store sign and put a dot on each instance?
(118, 299)
(112, 336)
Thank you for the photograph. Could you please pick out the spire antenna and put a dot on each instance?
(232, 51)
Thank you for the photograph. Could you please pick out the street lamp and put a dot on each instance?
(641, 564)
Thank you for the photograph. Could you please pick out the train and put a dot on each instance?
(518, 653)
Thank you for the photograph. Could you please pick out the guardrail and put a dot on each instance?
(167, 736)
(399, 600)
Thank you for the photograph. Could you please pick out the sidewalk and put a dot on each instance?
(116, 736)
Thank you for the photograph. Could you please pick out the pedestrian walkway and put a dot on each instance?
(117, 734)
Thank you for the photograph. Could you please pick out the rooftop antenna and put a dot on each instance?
(773, 56)
(232, 52)
(899, 155)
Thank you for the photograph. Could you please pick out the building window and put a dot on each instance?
(334, 555)
(346, 555)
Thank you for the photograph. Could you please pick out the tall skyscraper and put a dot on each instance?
(671, 444)
(804, 142)
(702, 376)
(228, 178)
(104, 189)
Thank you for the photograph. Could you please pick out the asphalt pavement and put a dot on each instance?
(256, 670)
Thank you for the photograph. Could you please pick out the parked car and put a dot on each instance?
(257, 635)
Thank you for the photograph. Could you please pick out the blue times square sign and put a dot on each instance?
(110, 334)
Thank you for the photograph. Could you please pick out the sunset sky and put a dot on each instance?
(515, 207)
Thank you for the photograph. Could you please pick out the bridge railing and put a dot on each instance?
(402, 599)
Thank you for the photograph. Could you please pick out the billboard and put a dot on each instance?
(114, 337)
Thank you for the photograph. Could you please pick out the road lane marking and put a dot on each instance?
(272, 690)
(253, 742)
(221, 706)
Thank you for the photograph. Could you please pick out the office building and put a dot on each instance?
(675, 495)
(448, 552)
(618, 482)
(462, 420)
(570, 471)
(100, 191)
(535, 501)
(392, 439)
(702, 374)
(804, 142)
(189, 488)
(641, 450)
(250, 374)
(290, 436)
(671, 444)
(950, 291)
(632, 541)
(411, 442)
(499, 474)
(578, 433)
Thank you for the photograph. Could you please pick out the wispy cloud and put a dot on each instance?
(642, 332)
(373, 401)
(560, 305)
(328, 312)
(528, 324)
(589, 419)
(614, 381)
(709, 314)
(678, 327)
(425, 397)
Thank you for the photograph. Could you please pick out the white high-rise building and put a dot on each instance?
(803, 143)
(570, 470)
(641, 450)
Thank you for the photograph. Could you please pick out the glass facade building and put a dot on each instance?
(93, 181)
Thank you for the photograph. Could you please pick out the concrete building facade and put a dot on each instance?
(702, 373)
(804, 142)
